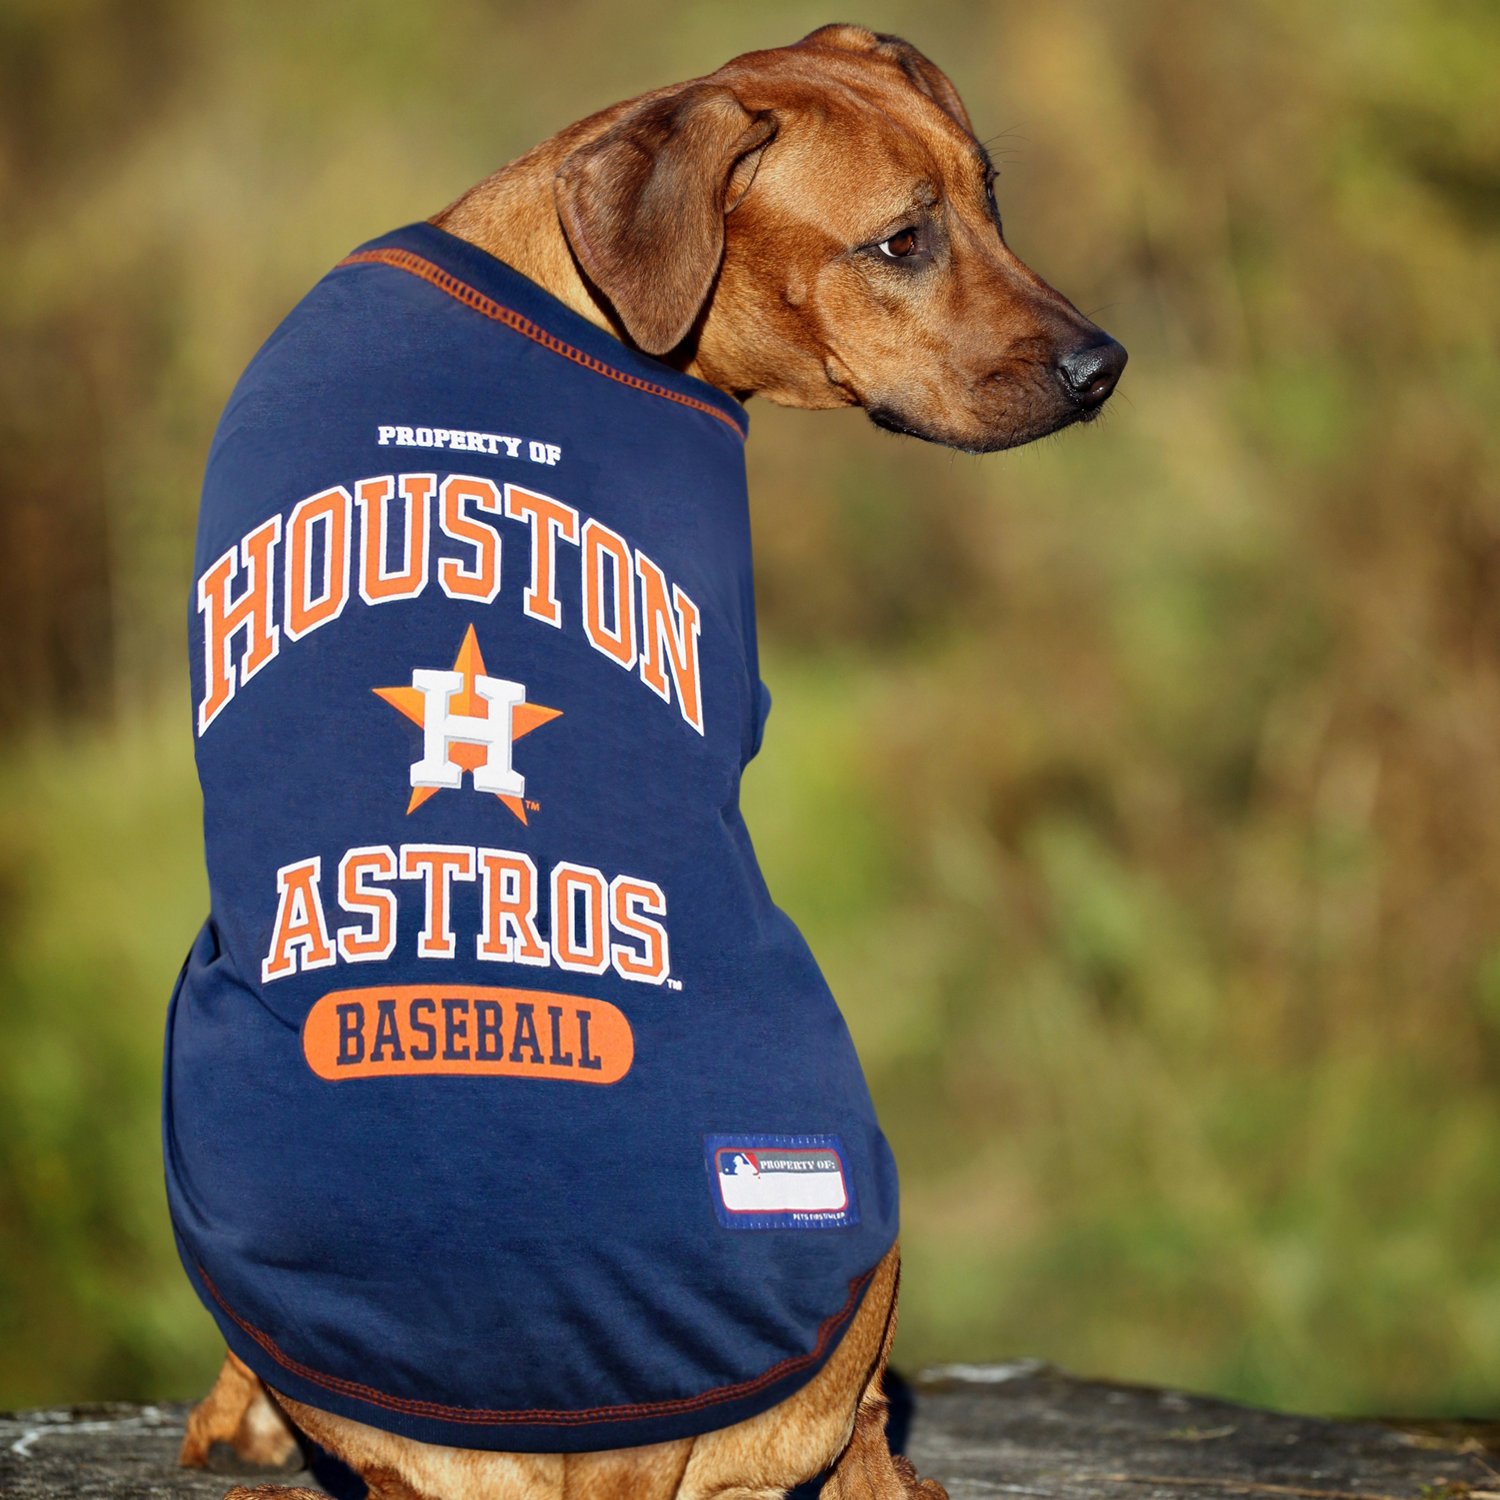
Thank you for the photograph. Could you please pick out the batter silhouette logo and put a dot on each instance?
(470, 722)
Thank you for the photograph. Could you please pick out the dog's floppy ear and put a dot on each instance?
(923, 72)
(643, 205)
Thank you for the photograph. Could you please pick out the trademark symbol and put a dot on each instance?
(533, 806)
(674, 984)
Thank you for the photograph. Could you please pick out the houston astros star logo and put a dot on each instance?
(469, 721)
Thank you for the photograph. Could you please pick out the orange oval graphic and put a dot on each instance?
(402, 1030)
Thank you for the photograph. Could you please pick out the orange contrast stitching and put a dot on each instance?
(404, 260)
(548, 1418)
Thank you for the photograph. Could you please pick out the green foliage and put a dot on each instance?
(1138, 790)
(103, 890)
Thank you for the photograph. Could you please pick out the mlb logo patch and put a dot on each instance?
(780, 1181)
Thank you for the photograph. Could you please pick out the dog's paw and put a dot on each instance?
(237, 1428)
(273, 1492)
(254, 1457)
(260, 1439)
(916, 1487)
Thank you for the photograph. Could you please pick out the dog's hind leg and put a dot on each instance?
(237, 1414)
(867, 1469)
(834, 1426)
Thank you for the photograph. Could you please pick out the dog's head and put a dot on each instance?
(817, 225)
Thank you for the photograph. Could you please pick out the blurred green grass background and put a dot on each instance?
(1138, 791)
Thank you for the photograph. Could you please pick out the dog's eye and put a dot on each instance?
(899, 246)
(989, 195)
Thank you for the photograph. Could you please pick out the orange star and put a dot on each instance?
(468, 756)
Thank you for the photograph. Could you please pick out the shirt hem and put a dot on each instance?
(477, 279)
(522, 1430)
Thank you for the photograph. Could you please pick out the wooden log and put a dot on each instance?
(985, 1431)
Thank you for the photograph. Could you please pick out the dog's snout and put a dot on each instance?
(1090, 372)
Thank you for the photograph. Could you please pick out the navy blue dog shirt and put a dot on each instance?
(502, 1108)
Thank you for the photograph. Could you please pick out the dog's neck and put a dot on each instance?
(513, 215)
(742, 348)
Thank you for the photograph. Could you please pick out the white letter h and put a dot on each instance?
(442, 729)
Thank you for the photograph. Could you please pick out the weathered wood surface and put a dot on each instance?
(984, 1431)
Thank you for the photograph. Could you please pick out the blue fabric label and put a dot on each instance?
(780, 1181)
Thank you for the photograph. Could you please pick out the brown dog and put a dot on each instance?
(866, 267)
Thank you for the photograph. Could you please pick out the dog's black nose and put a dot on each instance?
(1089, 374)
